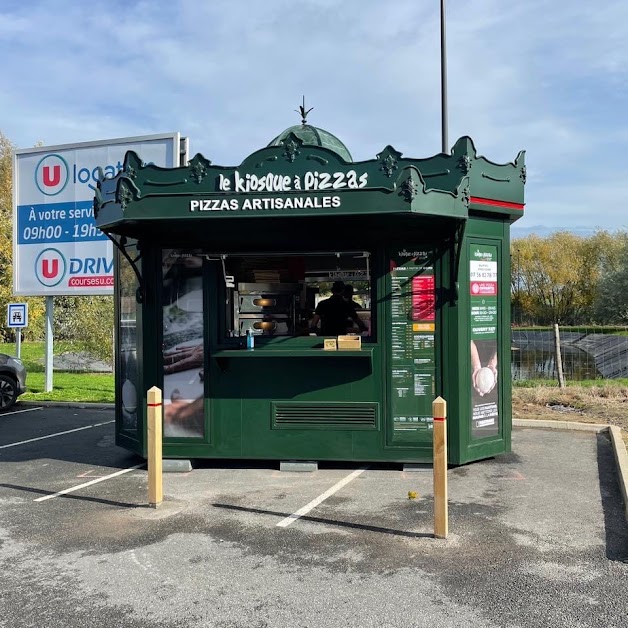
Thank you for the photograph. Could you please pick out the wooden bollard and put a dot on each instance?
(155, 473)
(441, 518)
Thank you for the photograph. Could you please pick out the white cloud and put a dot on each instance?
(543, 76)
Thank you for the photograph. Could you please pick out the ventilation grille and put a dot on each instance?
(298, 415)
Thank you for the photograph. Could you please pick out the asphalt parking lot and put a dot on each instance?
(537, 537)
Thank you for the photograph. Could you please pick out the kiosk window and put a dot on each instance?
(284, 295)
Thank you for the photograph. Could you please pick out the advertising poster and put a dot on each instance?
(483, 350)
(412, 303)
(57, 248)
(128, 379)
(183, 342)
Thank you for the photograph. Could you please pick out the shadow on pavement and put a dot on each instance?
(98, 500)
(333, 522)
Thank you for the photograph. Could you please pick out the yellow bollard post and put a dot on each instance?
(441, 517)
(155, 474)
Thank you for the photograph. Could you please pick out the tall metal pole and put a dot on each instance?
(443, 79)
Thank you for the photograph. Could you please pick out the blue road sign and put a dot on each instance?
(17, 315)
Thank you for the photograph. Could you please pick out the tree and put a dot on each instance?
(35, 305)
(6, 150)
(612, 303)
(556, 279)
(87, 320)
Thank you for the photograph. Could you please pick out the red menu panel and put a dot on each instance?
(423, 298)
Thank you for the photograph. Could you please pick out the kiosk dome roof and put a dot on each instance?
(313, 136)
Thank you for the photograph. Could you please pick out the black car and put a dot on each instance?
(12, 380)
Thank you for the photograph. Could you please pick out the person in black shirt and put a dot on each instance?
(349, 298)
(334, 312)
(355, 306)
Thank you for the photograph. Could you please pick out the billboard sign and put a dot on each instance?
(57, 248)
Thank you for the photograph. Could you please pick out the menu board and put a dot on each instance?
(412, 323)
(483, 316)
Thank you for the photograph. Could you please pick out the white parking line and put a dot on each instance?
(77, 429)
(321, 498)
(96, 481)
(18, 411)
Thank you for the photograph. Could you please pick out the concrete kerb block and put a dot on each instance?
(560, 425)
(171, 465)
(617, 442)
(412, 467)
(79, 405)
(298, 465)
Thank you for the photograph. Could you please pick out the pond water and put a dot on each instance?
(540, 363)
(584, 355)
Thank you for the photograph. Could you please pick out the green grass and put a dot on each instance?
(67, 385)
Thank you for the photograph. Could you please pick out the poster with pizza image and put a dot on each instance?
(483, 281)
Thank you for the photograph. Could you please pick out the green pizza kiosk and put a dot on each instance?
(220, 272)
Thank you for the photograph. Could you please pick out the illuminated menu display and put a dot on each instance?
(412, 323)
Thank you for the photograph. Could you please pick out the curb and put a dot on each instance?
(621, 459)
(560, 425)
(617, 442)
(83, 405)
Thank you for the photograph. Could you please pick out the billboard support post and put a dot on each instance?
(49, 343)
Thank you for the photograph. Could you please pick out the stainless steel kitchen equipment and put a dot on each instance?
(267, 309)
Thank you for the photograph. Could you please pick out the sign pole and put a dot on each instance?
(18, 343)
(441, 518)
(49, 341)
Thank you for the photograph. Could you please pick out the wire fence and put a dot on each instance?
(587, 353)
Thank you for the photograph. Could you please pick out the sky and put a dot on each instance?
(544, 76)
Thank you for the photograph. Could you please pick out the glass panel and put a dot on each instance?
(325, 294)
(183, 343)
(128, 379)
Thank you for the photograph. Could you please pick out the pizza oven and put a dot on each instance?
(267, 309)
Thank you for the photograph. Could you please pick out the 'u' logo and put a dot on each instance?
(56, 175)
(45, 266)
